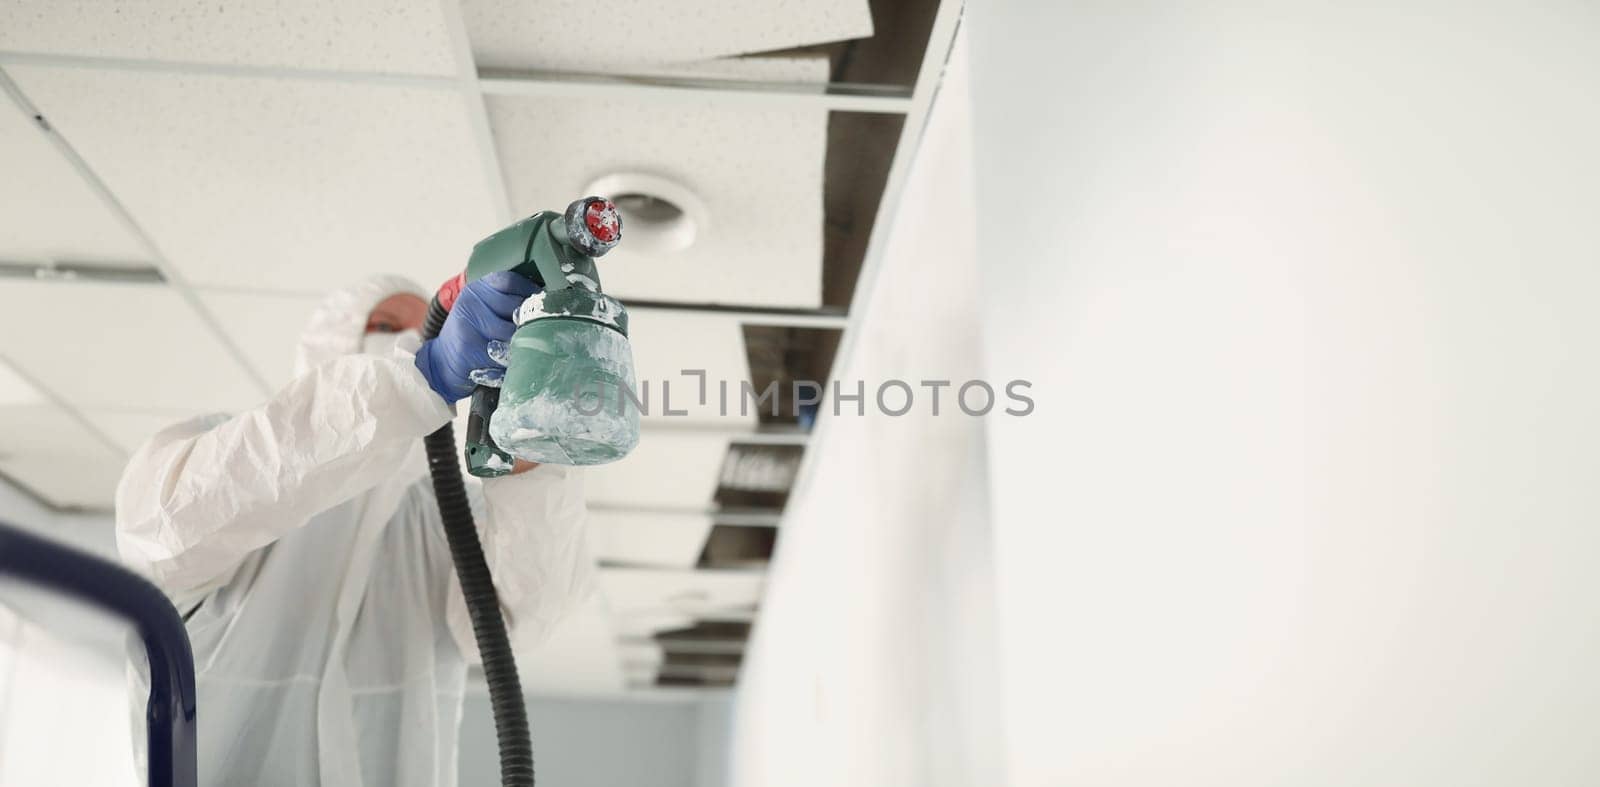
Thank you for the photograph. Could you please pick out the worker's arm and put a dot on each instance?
(198, 497)
(532, 528)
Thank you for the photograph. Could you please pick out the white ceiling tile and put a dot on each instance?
(29, 430)
(646, 623)
(640, 677)
(265, 327)
(282, 184)
(758, 172)
(579, 657)
(641, 653)
(47, 213)
(83, 475)
(669, 468)
(665, 343)
(572, 34)
(119, 347)
(693, 593)
(130, 429)
(404, 36)
(651, 538)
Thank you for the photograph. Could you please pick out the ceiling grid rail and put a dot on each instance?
(830, 96)
(477, 110)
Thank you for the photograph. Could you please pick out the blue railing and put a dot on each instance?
(170, 712)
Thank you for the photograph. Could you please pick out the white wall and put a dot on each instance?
(1308, 292)
(64, 714)
(602, 743)
(714, 735)
(872, 662)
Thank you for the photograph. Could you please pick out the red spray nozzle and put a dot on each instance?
(593, 225)
(602, 220)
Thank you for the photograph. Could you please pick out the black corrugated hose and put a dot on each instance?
(483, 605)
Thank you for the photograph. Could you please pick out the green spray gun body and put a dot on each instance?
(566, 394)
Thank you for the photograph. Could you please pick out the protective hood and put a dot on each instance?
(337, 326)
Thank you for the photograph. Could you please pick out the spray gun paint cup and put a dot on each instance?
(569, 387)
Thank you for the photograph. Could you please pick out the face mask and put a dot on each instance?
(379, 344)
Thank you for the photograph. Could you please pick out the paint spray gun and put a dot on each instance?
(560, 401)
(569, 364)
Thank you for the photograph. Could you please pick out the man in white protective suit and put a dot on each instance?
(302, 543)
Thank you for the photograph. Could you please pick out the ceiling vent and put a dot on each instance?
(659, 215)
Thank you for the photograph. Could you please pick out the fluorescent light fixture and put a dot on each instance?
(82, 271)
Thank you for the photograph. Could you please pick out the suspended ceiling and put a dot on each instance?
(258, 156)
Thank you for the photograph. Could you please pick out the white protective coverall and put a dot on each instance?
(330, 635)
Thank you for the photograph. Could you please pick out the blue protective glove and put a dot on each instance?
(482, 314)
